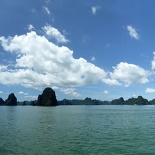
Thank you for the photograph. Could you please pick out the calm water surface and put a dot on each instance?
(77, 130)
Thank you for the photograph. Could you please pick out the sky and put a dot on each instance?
(102, 49)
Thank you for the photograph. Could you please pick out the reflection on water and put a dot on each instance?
(77, 130)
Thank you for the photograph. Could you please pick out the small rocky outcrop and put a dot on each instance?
(47, 98)
(2, 101)
(11, 100)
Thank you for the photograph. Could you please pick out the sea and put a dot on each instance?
(77, 130)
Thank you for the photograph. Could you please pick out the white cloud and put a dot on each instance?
(46, 9)
(106, 92)
(1, 92)
(132, 32)
(153, 61)
(22, 93)
(30, 27)
(40, 63)
(3, 67)
(70, 91)
(150, 90)
(134, 95)
(54, 33)
(112, 82)
(94, 9)
(93, 58)
(55, 87)
(128, 74)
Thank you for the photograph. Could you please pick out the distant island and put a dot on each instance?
(88, 101)
(48, 98)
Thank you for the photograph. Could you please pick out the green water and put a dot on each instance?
(77, 130)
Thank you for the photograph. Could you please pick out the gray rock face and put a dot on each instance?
(11, 100)
(47, 98)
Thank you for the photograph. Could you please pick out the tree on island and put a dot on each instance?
(11, 100)
(47, 98)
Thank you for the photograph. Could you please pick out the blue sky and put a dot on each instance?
(102, 49)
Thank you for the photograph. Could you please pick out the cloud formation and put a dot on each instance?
(52, 32)
(46, 9)
(93, 58)
(106, 92)
(30, 27)
(132, 32)
(70, 91)
(21, 92)
(40, 63)
(129, 74)
(153, 61)
(150, 90)
(94, 9)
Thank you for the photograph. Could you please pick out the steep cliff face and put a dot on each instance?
(2, 101)
(11, 100)
(47, 98)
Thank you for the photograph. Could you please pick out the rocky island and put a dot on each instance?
(11, 100)
(47, 98)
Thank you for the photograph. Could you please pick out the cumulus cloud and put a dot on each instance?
(94, 9)
(70, 91)
(132, 32)
(46, 9)
(55, 34)
(129, 74)
(150, 90)
(40, 63)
